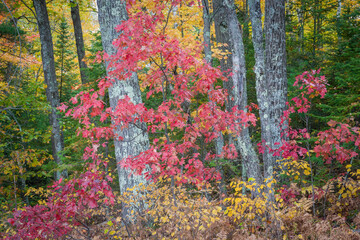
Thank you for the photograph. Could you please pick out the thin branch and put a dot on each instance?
(167, 18)
(27, 6)
(23, 16)
(310, 163)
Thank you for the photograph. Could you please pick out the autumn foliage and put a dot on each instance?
(189, 195)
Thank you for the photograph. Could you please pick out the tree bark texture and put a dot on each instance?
(276, 79)
(270, 73)
(228, 31)
(259, 68)
(52, 93)
(112, 13)
(206, 31)
(219, 141)
(79, 40)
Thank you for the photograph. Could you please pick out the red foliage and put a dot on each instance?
(287, 194)
(333, 144)
(65, 209)
(188, 75)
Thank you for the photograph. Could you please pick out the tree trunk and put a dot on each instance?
(275, 65)
(52, 93)
(80, 47)
(259, 68)
(338, 16)
(112, 13)
(206, 31)
(228, 31)
(301, 15)
(219, 142)
(270, 72)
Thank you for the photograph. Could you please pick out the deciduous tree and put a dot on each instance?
(80, 46)
(132, 140)
(271, 79)
(228, 33)
(52, 92)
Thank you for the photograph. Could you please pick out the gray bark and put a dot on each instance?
(275, 75)
(338, 12)
(259, 68)
(112, 13)
(219, 141)
(270, 72)
(80, 47)
(206, 31)
(52, 93)
(338, 15)
(223, 37)
(228, 31)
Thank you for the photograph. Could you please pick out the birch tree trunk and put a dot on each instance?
(112, 13)
(228, 31)
(52, 93)
(80, 47)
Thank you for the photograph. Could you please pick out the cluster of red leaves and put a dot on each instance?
(64, 209)
(311, 86)
(143, 42)
(287, 194)
(334, 143)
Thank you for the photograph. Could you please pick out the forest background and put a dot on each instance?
(209, 173)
